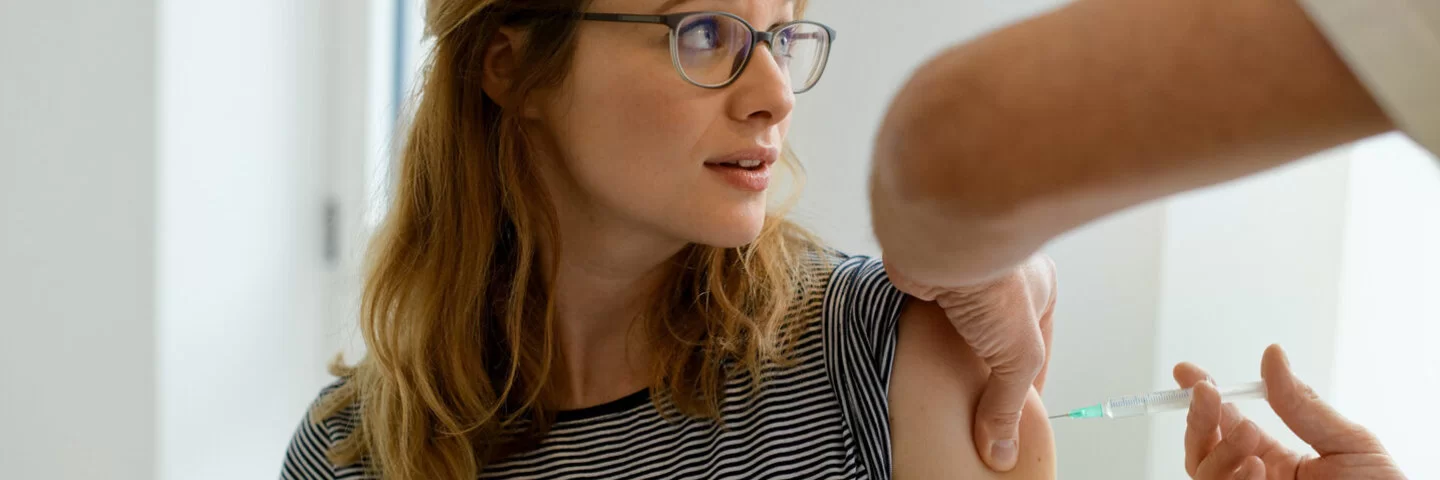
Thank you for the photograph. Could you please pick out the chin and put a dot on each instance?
(734, 239)
(736, 229)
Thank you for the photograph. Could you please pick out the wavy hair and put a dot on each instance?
(457, 312)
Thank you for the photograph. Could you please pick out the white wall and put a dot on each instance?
(358, 126)
(76, 239)
(243, 285)
(1248, 264)
(1109, 275)
(1387, 369)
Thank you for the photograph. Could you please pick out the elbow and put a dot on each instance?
(942, 150)
(951, 198)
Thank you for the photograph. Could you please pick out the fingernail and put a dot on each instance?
(1003, 452)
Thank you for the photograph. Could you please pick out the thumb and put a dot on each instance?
(1014, 349)
(1307, 415)
(997, 420)
(1015, 353)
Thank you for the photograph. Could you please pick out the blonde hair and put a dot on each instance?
(457, 313)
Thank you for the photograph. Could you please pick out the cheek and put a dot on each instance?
(637, 103)
(628, 123)
(625, 135)
(635, 136)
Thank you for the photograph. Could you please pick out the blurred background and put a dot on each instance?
(186, 187)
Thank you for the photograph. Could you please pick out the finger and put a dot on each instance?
(1230, 416)
(1047, 335)
(1307, 415)
(1251, 468)
(1238, 443)
(1041, 283)
(997, 420)
(1014, 349)
(1044, 268)
(1188, 374)
(1202, 426)
(1015, 353)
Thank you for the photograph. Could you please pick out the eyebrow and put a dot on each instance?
(669, 4)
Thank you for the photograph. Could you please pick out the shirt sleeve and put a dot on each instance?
(862, 313)
(1393, 46)
(867, 306)
(305, 458)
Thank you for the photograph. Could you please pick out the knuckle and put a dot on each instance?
(1308, 393)
(1194, 422)
(1005, 419)
(1362, 437)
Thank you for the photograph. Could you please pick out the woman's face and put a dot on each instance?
(641, 147)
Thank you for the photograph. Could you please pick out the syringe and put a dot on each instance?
(1164, 401)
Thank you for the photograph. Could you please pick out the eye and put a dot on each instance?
(700, 35)
(783, 40)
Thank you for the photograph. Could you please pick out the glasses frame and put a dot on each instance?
(674, 20)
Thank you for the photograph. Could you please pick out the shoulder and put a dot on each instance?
(852, 278)
(330, 419)
(860, 299)
(334, 409)
(935, 387)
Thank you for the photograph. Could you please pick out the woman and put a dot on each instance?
(578, 277)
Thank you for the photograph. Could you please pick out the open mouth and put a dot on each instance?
(751, 165)
(747, 170)
(746, 175)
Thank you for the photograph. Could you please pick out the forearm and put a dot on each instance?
(996, 146)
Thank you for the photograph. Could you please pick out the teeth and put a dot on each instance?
(749, 163)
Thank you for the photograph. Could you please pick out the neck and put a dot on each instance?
(605, 279)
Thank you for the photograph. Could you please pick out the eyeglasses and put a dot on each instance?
(712, 49)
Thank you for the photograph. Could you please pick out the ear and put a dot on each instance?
(500, 68)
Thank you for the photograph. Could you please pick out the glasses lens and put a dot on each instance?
(711, 47)
(801, 50)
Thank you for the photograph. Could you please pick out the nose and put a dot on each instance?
(762, 95)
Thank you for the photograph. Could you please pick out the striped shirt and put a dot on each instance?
(822, 415)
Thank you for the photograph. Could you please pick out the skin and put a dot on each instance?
(998, 145)
(1220, 443)
(1023, 134)
(934, 393)
(1007, 324)
(625, 207)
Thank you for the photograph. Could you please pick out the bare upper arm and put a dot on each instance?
(935, 386)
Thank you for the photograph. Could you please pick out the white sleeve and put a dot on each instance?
(1393, 46)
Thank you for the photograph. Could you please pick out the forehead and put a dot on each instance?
(665, 6)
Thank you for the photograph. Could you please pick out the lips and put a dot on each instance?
(748, 164)
(748, 158)
(747, 170)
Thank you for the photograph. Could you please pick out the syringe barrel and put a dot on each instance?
(1244, 391)
(1126, 406)
(1169, 400)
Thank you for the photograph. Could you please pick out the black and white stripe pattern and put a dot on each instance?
(824, 415)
